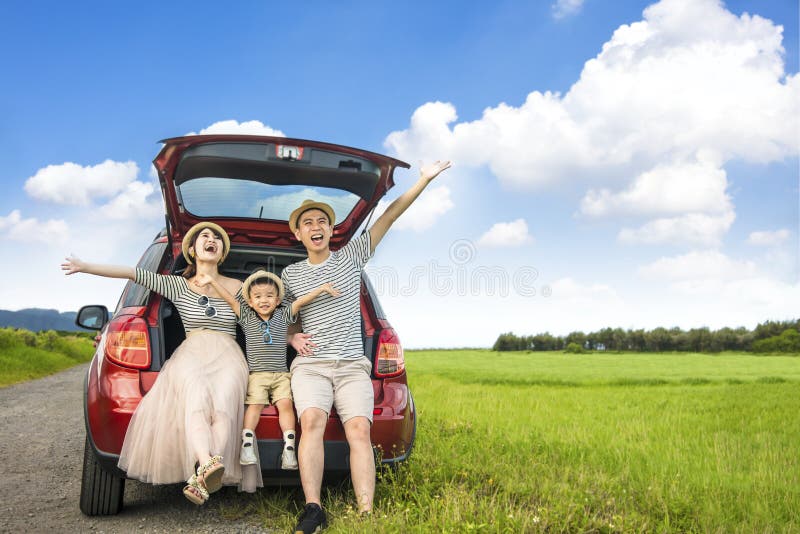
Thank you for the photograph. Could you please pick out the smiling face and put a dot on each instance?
(208, 246)
(263, 297)
(314, 230)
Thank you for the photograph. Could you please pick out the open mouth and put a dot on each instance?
(211, 247)
(316, 239)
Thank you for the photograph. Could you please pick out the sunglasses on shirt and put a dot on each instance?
(210, 310)
(266, 335)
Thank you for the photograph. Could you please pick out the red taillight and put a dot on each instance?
(127, 342)
(389, 360)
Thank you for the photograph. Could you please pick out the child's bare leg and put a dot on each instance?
(285, 414)
(286, 420)
(252, 415)
(248, 452)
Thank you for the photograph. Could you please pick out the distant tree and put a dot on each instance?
(786, 341)
(576, 337)
(574, 348)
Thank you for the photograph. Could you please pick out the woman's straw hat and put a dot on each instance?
(188, 239)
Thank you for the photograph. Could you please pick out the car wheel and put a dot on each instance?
(101, 492)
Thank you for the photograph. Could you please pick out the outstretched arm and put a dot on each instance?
(401, 203)
(305, 299)
(74, 265)
(203, 279)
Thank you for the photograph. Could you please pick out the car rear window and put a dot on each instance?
(224, 197)
(268, 181)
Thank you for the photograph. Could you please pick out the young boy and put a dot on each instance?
(338, 372)
(264, 324)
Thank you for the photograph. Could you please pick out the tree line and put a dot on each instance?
(770, 336)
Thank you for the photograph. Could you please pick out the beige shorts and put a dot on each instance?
(345, 384)
(264, 387)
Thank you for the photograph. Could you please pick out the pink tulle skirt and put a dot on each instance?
(195, 404)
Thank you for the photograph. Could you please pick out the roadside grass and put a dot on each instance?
(549, 442)
(25, 355)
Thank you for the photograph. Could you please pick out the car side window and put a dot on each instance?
(370, 291)
(134, 294)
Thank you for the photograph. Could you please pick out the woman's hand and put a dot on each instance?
(73, 265)
(302, 343)
(202, 279)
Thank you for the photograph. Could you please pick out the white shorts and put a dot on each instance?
(345, 384)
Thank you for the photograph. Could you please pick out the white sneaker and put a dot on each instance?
(288, 460)
(248, 455)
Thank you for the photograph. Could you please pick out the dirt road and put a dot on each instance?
(41, 447)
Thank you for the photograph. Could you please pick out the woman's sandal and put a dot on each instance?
(211, 473)
(195, 491)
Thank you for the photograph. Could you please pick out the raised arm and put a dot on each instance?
(401, 203)
(203, 279)
(74, 265)
(306, 299)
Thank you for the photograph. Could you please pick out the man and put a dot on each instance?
(338, 372)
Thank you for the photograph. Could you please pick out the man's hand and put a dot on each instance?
(432, 170)
(302, 344)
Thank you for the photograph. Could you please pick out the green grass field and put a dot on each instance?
(549, 442)
(25, 355)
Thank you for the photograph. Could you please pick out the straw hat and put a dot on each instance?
(188, 239)
(309, 204)
(258, 275)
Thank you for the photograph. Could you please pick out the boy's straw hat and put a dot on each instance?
(196, 229)
(259, 274)
(309, 204)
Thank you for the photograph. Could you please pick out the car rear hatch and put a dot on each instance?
(250, 184)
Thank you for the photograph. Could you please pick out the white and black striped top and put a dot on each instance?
(263, 356)
(193, 314)
(334, 322)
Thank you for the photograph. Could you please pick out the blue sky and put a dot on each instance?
(630, 163)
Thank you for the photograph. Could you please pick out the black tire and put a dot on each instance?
(101, 492)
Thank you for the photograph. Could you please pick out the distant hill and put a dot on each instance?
(36, 319)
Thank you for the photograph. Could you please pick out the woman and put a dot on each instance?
(193, 413)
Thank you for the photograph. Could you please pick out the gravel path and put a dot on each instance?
(41, 446)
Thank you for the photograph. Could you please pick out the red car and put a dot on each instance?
(248, 185)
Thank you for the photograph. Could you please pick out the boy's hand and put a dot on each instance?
(330, 290)
(202, 279)
(72, 265)
(432, 170)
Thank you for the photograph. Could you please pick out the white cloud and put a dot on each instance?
(511, 234)
(651, 122)
(566, 8)
(424, 212)
(243, 128)
(139, 200)
(682, 187)
(14, 227)
(691, 229)
(570, 290)
(70, 183)
(738, 291)
(695, 266)
(768, 238)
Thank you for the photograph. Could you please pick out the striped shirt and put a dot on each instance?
(193, 314)
(265, 354)
(334, 322)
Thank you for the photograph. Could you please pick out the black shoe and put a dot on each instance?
(311, 520)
